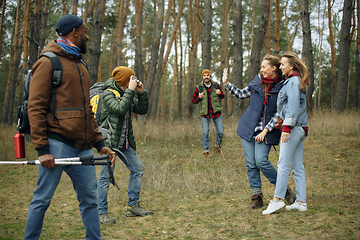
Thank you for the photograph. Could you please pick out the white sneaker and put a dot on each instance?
(298, 206)
(273, 206)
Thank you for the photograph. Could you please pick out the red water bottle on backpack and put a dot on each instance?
(19, 145)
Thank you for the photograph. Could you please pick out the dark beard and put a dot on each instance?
(83, 49)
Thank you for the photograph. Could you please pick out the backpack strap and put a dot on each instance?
(200, 87)
(55, 77)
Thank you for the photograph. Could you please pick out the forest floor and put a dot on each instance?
(194, 198)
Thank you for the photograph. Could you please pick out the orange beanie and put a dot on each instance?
(205, 71)
(122, 75)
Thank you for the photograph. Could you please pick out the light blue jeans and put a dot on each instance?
(84, 182)
(291, 153)
(205, 122)
(256, 158)
(136, 167)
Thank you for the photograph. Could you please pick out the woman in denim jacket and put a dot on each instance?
(291, 106)
(256, 126)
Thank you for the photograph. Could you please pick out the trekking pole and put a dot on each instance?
(86, 160)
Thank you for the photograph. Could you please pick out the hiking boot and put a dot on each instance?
(137, 211)
(273, 206)
(106, 219)
(218, 150)
(290, 196)
(298, 206)
(257, 201)
(206, 155)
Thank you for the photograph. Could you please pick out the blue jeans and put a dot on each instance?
(256, 158)
(205, 122)
(291, 153)
(136, 167)
(84, 182)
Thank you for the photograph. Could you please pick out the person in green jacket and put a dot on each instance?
(117, 107)
(209, 95)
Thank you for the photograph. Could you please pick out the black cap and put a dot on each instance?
(67, 23)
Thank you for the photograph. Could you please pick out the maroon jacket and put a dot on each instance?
(73, 123)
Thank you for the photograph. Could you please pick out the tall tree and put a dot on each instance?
(357, 79)
(3, 6)
(158, 22)
(277, 28)
(238, 55)
(13, 74)
(194, 10)
(35, 34)
(158, 75)
(332, 49)
(96, 33)
(206, 50)
(307, 50)
(139, 9)
(343, 72)
(268, 32)
(258, 40)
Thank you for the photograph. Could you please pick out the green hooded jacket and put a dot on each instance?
(110, 104)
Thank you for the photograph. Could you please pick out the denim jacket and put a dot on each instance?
(291, 103)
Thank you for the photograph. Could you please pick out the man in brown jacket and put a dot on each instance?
(68, 131)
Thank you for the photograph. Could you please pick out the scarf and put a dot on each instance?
(293, 74)
(271, 83)
(68, 46)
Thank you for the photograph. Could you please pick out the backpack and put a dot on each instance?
(96, 91)
(200, 87)
(23, 117)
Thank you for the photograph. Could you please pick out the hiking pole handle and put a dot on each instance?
(94, 158)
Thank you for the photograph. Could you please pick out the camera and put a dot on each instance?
(135, 79)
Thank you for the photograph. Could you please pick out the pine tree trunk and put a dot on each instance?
(180, 80)
(194, 31)
(206, 51)
(333, 60)
(158, 21)
(268, 32)
(344, 49)
(357, 79)
(139, 66)
(95, 47)
(308, 55)
(258, 41)
(154, 98)
(238, 55)
(277, 28)
(3, 6)
(14, 69)
(35, 32)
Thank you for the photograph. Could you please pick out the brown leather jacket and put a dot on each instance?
(73, 122)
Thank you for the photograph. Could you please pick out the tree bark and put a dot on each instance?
(268, 32)
(206, 51)
(3, 6)
(35, 30)
(159, 80)
(344, 48)
(357, 79)
(158, 22)
(13, 74)
(258, 41)
(308, 53)
(238, 55)
(95, 47)
(194, 31)
(139, 66)
(332, 48)
(277, 28)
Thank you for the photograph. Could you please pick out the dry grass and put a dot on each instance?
(195, 198)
